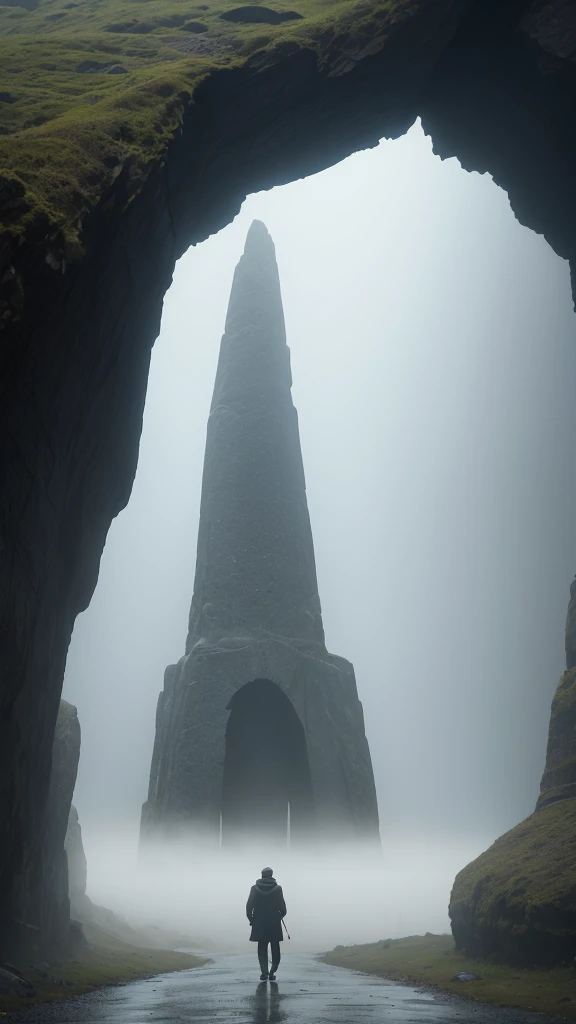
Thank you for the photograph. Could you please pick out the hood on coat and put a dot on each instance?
(266, 886)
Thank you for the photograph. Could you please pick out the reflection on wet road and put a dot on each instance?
(306, 992)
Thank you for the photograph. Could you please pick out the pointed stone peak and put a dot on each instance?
(259, 242)
(255, 569)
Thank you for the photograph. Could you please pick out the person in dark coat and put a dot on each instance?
(265, 909)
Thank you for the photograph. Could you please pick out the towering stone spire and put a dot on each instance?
(255, 570)
(259, 731)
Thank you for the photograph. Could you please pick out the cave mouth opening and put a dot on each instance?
(267, 787)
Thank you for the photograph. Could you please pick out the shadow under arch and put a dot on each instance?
(267, 786)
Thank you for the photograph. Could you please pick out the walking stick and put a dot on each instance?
(285, 928)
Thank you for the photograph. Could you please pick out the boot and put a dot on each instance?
(264, 970)
(272, 975)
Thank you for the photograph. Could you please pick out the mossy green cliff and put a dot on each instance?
(559, 779)
(516, 903)
(91, 88)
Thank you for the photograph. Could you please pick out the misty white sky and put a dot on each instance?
(433, 357)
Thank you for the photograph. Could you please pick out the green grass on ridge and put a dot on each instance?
(65, 133)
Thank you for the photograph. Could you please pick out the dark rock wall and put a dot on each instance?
(55, 904)
(516, 903)
(503, 100)
(73, 368)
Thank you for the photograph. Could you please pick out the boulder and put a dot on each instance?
(12, 984)
(516, 903)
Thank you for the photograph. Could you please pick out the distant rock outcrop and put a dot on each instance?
(77, 868)
(516, 903)
(559, 779)
(83, 911)
(96, 924)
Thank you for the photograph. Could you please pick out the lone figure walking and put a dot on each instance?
(265, 909)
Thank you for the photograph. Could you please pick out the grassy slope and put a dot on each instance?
(64, 134)
(526, 881)
(432, 960)
(531, 865)
(107, 962)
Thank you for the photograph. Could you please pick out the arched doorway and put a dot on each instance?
(267, 789)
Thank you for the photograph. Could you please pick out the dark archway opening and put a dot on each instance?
(267, 788)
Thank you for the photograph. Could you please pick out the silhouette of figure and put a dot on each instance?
(265, 909)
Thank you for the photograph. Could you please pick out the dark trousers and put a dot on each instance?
(263, 954)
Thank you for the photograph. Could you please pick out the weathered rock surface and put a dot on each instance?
(255, 568)
(255, 631)
(517, 902)
(494, 82)
(559, 779)
(11, 984)
(514, 65)
(54, 934)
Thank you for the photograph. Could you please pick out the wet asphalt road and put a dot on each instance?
(306, 992)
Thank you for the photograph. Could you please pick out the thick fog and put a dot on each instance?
(433, 357)
(351, 896)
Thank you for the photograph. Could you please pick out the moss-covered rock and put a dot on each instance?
(90, 89)
(516, 903)
(105, 961)
(559, 779)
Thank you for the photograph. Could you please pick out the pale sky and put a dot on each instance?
(433, 357)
